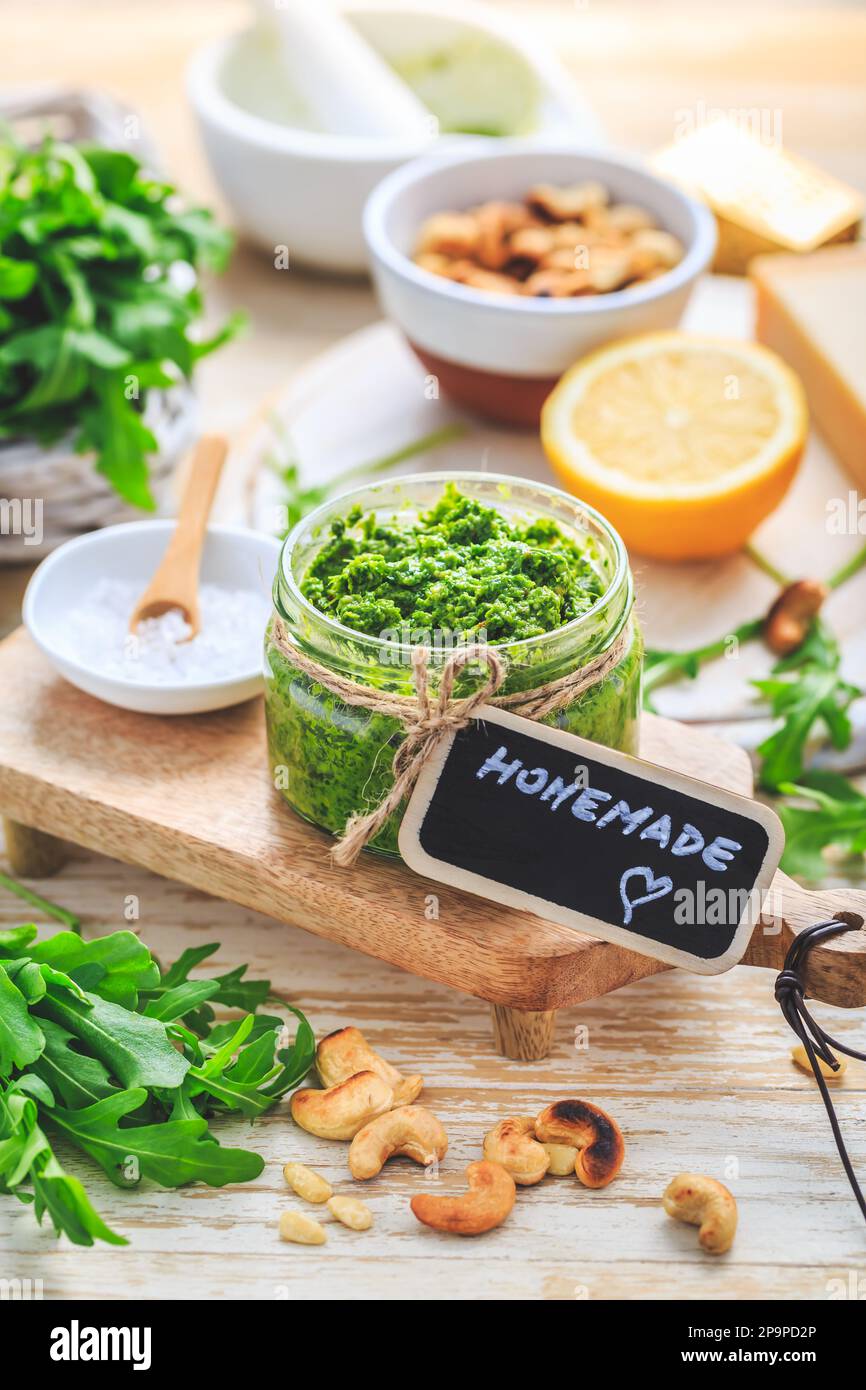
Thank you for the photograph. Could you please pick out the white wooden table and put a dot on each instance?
(697, 1071)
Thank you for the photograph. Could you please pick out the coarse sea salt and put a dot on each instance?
(228, 644)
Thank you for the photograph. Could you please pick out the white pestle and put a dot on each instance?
(345, 85)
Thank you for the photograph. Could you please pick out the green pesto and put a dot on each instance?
(460, 568)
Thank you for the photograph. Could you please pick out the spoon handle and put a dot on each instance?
(175, 583)
(205, 468)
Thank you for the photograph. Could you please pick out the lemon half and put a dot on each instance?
(685, 442)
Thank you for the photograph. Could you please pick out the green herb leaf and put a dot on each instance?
(172, 1153)
(26, 1155)
(136, 1049)
(805, 691)
(125, 964)
(21, 1038)
(836, 817)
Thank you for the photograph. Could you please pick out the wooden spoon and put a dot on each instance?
(175, 584)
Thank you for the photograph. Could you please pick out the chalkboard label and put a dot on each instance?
(615, 847)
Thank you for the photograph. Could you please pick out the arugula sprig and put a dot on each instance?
(806, 692)
(102, 1049)
(805, 689)
(836, 817)
(98, 294)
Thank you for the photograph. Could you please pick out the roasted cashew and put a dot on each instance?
(594, 1134)
(513, 1144)
(411, 1130)
(342, 1054)
(562, 1159)
(787, 624)
(340, 1111)
(706, 1203)
(490, 1198)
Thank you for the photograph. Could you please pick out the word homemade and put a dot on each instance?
(537, 818)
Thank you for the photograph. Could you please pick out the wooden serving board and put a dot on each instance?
(191, 798)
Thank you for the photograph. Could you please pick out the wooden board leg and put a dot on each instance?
(523, 1035)
(32, 853)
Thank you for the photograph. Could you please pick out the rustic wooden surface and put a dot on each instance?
(696, 1070)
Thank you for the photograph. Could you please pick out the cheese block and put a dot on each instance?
(812, 311)
(764, 198)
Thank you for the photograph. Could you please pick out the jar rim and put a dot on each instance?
(285, 574)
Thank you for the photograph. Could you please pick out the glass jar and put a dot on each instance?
(330, 759)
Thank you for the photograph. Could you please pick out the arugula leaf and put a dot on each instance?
(17, 278)
(26, 1155)
(96, 1040)
(174, 1003)
(136, 1049)
(837, 817)
(21, 1038)
(175, 1152)
(805, 690)
(74, 1076)
(123, 962)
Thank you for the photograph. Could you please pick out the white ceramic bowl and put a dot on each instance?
(233, 557)
(501, 354)
(305, 190)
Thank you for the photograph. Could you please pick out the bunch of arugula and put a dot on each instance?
(805, 691)
(103, 1049)
(97, 297)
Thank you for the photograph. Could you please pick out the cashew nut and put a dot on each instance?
(594, 1134)
(411, 1130)
(342, 1054)
(706, 1203)
(513, 1144)
(351, 1212)
(562, 1159)
(490, 1198)
(340, 1111)
(309, 1185)
(800, 1058)
(296, 1226)
(790, 617)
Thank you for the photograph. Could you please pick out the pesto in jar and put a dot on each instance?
(458, 571)
(462, 569)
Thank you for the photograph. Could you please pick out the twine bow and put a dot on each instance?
(425, 729)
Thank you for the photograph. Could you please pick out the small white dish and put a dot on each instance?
(458, 330)
(233, 557)
(290, 185)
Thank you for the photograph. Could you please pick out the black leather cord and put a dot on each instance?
(790, 991)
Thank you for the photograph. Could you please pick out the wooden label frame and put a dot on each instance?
(579, 855)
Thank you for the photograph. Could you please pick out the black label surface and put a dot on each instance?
(611, 845)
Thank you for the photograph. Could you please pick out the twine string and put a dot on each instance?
(790, 992)
(423, 736)
(427, 722)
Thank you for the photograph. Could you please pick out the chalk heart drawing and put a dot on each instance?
(655, 888)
